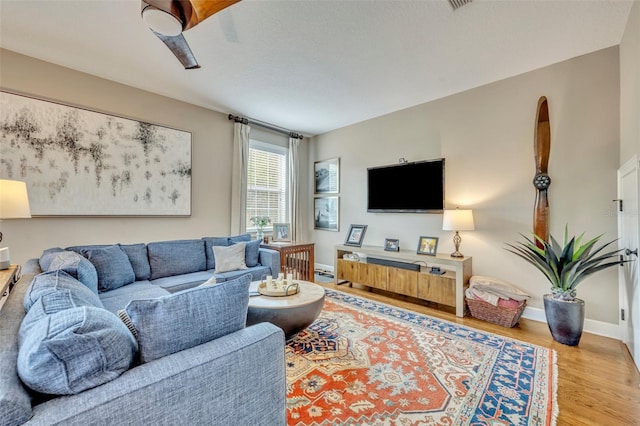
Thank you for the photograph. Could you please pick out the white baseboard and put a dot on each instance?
(590, 326)
(321, 267)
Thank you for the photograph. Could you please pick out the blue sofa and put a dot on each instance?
(175, 364)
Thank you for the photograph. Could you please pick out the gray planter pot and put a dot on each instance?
(565, 319)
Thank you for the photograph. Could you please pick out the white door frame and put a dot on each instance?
(630, 166)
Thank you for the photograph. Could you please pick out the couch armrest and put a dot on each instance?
(238, 379)
(270, 258)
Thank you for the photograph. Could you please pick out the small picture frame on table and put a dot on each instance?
(281, 232)
(391, 244)
(355, 236)
(428, 246)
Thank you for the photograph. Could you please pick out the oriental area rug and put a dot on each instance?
(367, 363)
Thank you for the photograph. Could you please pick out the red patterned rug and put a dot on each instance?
(367, 363)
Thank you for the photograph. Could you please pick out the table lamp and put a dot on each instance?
(457, 220)
(14, 204)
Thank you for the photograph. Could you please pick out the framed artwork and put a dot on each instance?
(78, 162)
(281, 232)
(391, 244)
(326, 213)
(355, 236)
(428, 246)
(327, 176)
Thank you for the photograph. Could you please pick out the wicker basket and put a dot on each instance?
(505, 317)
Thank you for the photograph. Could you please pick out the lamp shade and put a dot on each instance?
(457, 220)
(14, 200)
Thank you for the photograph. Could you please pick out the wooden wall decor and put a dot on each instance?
(541, 181)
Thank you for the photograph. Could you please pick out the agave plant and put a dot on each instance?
(565, 266)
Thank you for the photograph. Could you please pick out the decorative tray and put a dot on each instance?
(278, 290)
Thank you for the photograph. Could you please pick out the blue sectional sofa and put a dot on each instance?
(139, 334)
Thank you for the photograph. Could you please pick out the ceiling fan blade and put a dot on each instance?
(542, 136)
(202, 9)
(542, 148)
(179, 46)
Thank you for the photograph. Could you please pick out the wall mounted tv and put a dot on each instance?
(416, 187)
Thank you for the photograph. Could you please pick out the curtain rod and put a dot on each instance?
(245, 120)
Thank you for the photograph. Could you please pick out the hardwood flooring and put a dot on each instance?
(598, 383)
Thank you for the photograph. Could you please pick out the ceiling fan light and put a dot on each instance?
(161, 21)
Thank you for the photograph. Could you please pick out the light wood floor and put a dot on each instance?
(598, 383)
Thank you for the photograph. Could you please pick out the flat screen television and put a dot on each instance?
(416, 187)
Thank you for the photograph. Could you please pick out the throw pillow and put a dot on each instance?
(113, 267)
(139, 259)
(229, 258)
(252, 253)
(47, 256)
(73, 350)
(76, 266)
(182, 320)
(76, 293)
(209, 242)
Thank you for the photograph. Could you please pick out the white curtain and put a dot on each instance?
(239, 178)
(293, 189)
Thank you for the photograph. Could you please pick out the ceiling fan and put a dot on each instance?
(169, 18)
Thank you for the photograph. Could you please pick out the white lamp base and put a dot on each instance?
(5, 260)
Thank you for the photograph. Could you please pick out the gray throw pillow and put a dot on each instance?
(73, 350)
(229, 258)
(73, 291)
(113, 267)
(251, 253)
(76, 266)
(47, 256)
(179, 321)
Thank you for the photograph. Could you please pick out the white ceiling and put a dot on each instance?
(314, 66)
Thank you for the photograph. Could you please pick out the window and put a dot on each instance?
(266, 183)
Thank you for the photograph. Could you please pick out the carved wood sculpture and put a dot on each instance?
(541, 181)
(188, 13)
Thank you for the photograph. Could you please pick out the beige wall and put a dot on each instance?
(212, 136)
(630, 87)
(486, 136)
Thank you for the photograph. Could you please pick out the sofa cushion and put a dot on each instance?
(189, 318)
(58, 281)
(177, 257)
(178, 283)
(47, 256)
(229, 258)
(76, 266)
(209, 242)
(137, 254)
(251, 253)
(73, 350)
(113, 267)
(244, 238)
(117, 299)
(257, 273)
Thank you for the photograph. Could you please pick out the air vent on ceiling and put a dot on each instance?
(456, 4)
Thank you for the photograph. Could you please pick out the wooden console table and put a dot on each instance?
(447, 289)
(8, 277)
(296, 256)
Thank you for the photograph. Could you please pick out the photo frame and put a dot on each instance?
(327, 176)
(326, 213)
(391, 244)
(281, 232)
(82, 162)
(355, 236)
(428, 246)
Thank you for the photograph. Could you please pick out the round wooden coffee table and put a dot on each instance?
(291, 313)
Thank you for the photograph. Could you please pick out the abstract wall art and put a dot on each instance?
(78, 162)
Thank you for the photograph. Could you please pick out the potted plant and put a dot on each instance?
(565, 267)
(260, 222)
